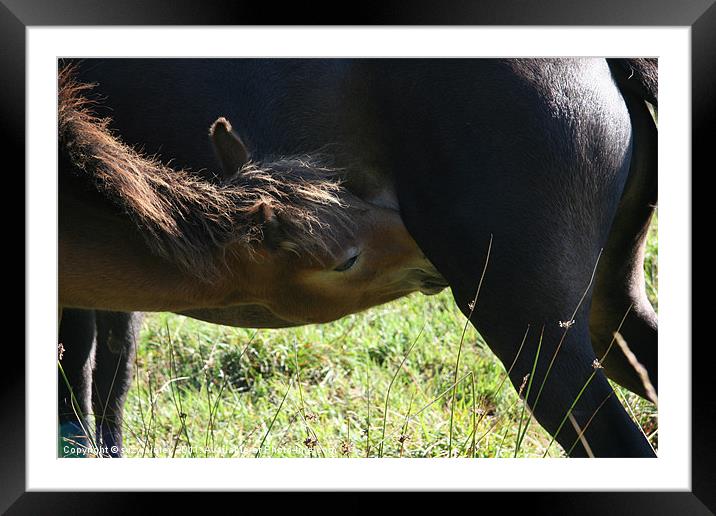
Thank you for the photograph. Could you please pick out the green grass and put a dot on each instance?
(203, 390)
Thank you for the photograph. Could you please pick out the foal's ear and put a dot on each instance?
(273, 234)
(229, 148)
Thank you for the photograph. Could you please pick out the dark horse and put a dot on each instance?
(551, 163)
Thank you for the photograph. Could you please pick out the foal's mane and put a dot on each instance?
(185, 218)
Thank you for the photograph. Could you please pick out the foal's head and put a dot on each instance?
(316, 252)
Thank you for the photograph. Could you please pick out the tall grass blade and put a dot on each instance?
(390, 386)
(472, 307)
(520, 433)
(275, 416)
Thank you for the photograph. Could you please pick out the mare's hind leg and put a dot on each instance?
(569, 394)
(77, 336)
(621, 299)
(544, 182)
(620, 277)
(117, 334)
(536, 277)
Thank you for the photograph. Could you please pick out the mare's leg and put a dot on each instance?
(620, 286)
(535, 154)
(569, 395)
(536, 284)
(77, 337)
(117, 334)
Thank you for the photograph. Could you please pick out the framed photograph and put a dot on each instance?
(354, 166)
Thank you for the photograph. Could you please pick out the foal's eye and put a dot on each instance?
(347, 264)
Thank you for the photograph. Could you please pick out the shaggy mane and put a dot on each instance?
(186, 219)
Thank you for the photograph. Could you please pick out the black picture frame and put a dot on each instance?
(699, 15)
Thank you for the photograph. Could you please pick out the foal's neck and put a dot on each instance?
(104, 263)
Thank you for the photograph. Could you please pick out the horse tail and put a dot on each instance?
(638, 76)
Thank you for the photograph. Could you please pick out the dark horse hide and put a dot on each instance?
(97, 360)
(548, 163)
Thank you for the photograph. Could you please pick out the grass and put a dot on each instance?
(372, 384)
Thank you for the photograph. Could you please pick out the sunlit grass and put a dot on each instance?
(204, 390)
